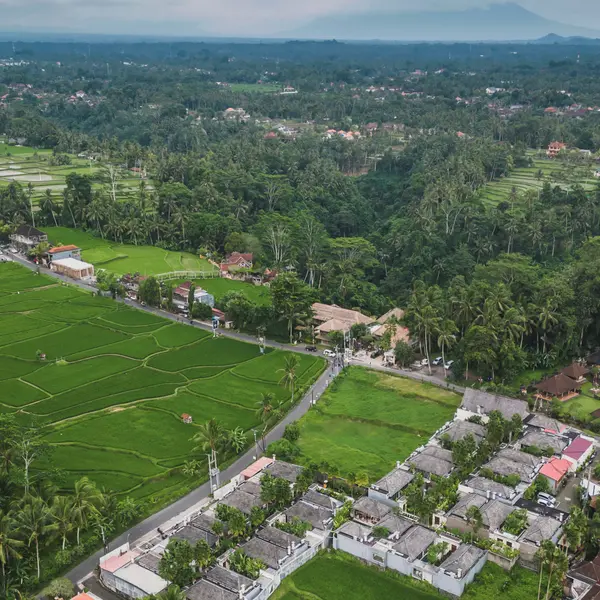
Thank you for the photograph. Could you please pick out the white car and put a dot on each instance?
(449, 364)
(424, 362)
(328, 352)
(546, 499)
(13, 250)
(437, 361)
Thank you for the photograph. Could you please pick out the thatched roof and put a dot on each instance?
(575, 371)
(557, 385)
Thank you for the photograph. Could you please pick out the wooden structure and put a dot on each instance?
(576, 371)
(559, 386)
(186, 418)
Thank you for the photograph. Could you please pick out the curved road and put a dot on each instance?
(82, 570)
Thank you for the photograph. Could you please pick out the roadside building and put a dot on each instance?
(73, 268)
(555, 471)
(27, 237)
(578, 452)
(60, 252)
(478, 402)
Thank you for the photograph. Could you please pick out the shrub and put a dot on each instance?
(201, 311)
(283, 449)
(59, 588)
(292, 432)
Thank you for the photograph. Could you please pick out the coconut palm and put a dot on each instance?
(474, 519)
(173, 592)
(62, 513)
(446, 337)
(85, 498)
(237, 439)
(36, 522)
(547, 318)
(290, 377)
(209, 437)
(264, 412)
(9, 542)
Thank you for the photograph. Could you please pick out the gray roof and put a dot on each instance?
(203, 521)
(194, 535)
(270, 554)
(482, 484)
(149, 561)
(314, 515)
(521, 457)
(434, 460)
(465, 557)
(545, 422)
(319, 499)
(242, 501)
(480, 402)
(539, 439)
(230, 580)
(356, 530)
(503, 466)
(462, 506)
(205, 590)
(395, 524)
(285, 470)
(494, 513)
(393, 482)
(280, 538)
(460, 429)
(415, 541)
(250, 487)
(543, 528)
(371, 508)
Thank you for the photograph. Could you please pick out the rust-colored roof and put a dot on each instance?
(575, 370)
(63, 249)
(556, 469)
(589, 570)
(256, 467)
(557, 385)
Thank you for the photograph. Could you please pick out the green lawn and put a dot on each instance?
(218, 287)
(115, 382)
(125, 258)
(339, 576)
(368, 420)
(257, 88)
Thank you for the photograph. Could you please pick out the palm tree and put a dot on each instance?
(36, 522)
(547, 318)
(290, 378)
(264, 412)
(446, 337)
(85, 497)
(62, 513)
(475, 519)
(209, 436)
(9, 542)
(173, 592)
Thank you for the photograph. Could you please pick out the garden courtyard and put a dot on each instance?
(110, 383)
(367, 420)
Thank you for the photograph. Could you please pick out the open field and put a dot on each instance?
(526, 178)
(368, 420)
(255, 88)
(115, 381)
(125, 258)
(339, 576)
(219, 286)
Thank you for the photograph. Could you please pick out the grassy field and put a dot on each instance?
(254, 88)
(368, 420)
(556, 172)
(124, 258)
(115, 382)
(218, 287)
(339, 576)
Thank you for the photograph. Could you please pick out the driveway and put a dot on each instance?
(568, 496)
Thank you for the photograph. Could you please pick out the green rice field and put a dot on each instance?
(554, 171)
(339, 576)
(115, 381)
(127, 258)
(367, 420)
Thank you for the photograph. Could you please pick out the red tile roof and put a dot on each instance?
(556, 469)
(63, 249)
(256, 467)
(577, 448)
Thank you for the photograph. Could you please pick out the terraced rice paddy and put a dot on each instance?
(127, 258)
(115, 382)
(523, 179)
(27, 165)
(368, 420)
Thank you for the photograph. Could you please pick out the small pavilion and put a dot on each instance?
(558, 386)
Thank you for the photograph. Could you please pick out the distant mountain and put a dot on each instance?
(552, 38)
(501, 22)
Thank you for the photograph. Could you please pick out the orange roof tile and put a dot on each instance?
(556, 469)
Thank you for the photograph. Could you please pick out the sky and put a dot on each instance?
(247, 18)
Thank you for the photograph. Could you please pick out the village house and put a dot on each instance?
(579, 451)
(558, 386)
(73, 268)
(534, 438)
(181, 295)
(577, 372)
(236, 261)
(545, 423)
(388, 489)
(555, 471)
(554, 149)
(60, 252)
(478, 402)
(27, 237)
(328, 318)
(222, 584)
(583, 581)
(432, 460)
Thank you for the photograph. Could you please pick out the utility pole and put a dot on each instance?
(256, 448)
(213, 470)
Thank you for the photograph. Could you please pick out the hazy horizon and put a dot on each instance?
(247, 18)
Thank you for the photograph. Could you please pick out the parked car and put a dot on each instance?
(424, 362)
(13, 250)
(544, 502)
(416, 366)
(448, 364)
(550, 500)
(377, 353)
(437, 361)
(328, 352)
(311, 348)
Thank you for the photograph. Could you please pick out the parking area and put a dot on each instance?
(568, 496)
